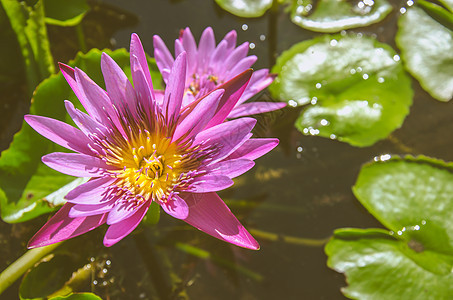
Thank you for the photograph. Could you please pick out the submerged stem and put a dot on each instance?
(289, 239)
(22, 264)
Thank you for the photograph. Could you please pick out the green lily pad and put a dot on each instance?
(27, 186)
(245, 8)
(412, 198)
(427, 51)
(65, 13)
(357, 86)
(333, 15)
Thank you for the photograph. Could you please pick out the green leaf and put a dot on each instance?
(25, 182)
(333, 15)
(28, 24)
(427, 51)
(357, 87)
(245, 8)
(79, 296)
(153, 215)
(378, 266)
(411, 197)
(404, 194)
(65, 13)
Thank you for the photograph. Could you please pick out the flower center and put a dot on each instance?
(203, 84)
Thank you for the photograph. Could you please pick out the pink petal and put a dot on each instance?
(201, 114)
(92, 192)
(60, 133)
(176, 207)
(164, 59)
(260, 80)
(87, 124)
(231, 38)
(81, 210)
(209, 213)
(231, 167)
(237, 55)
(136, 50)
(118, 86)
(219, 54)
(122, 210)
(205, 48)
(253, 108)
(254, 148)
(242, 66)
(143, 90)
(227, 137)
(99, 99)
(209, 183)
(174, 91)
(233, 91)
(118, 231)
(190, 47)
(75, 164)
(60, 227)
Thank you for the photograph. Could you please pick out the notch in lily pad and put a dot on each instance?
(414, 257)
(356, 88)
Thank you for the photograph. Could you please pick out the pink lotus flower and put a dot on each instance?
(209, 66)
(136, 151)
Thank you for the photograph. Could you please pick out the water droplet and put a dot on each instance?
(104, 270)
(333, 137)
(380, 79)
(245, 27)
(314, 131)
(305, 131)
(396, 57)
(416, 227)
(359, 35)
(365, 76)
(292, 103)
(368, 2)
(359, 69)
(318, 85)
(252, 45)
(95, 282)
(262, 37)
(92, 259)
(333, 43)
(360, 4)
(314, 100)
(410, 3)
(423, 222)
(353, 71)
(108, 262)
(385, 157)
(300, 149)
(324, 122)
(403, 10)
(343, 32)
(300, 9)
(399, 232)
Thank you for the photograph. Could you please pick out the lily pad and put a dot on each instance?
(427, 51)
(245, 8)
(27, 186)
(412, 198)
(65, 13)
(79, 296)
(357, 86)
(333, 15)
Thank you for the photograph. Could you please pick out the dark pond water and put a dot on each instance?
(300, 190)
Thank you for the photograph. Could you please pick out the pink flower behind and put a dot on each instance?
(137, 150)
(210, 65)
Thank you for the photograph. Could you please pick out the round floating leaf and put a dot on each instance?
(27, 186)
(427, 50)
(245, 8)
(378, 266)
(65, 13)
(413, 198)
(334, 15)
(357, 87)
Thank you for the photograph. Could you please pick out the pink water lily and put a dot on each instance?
(136, 150)
(209, 66)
